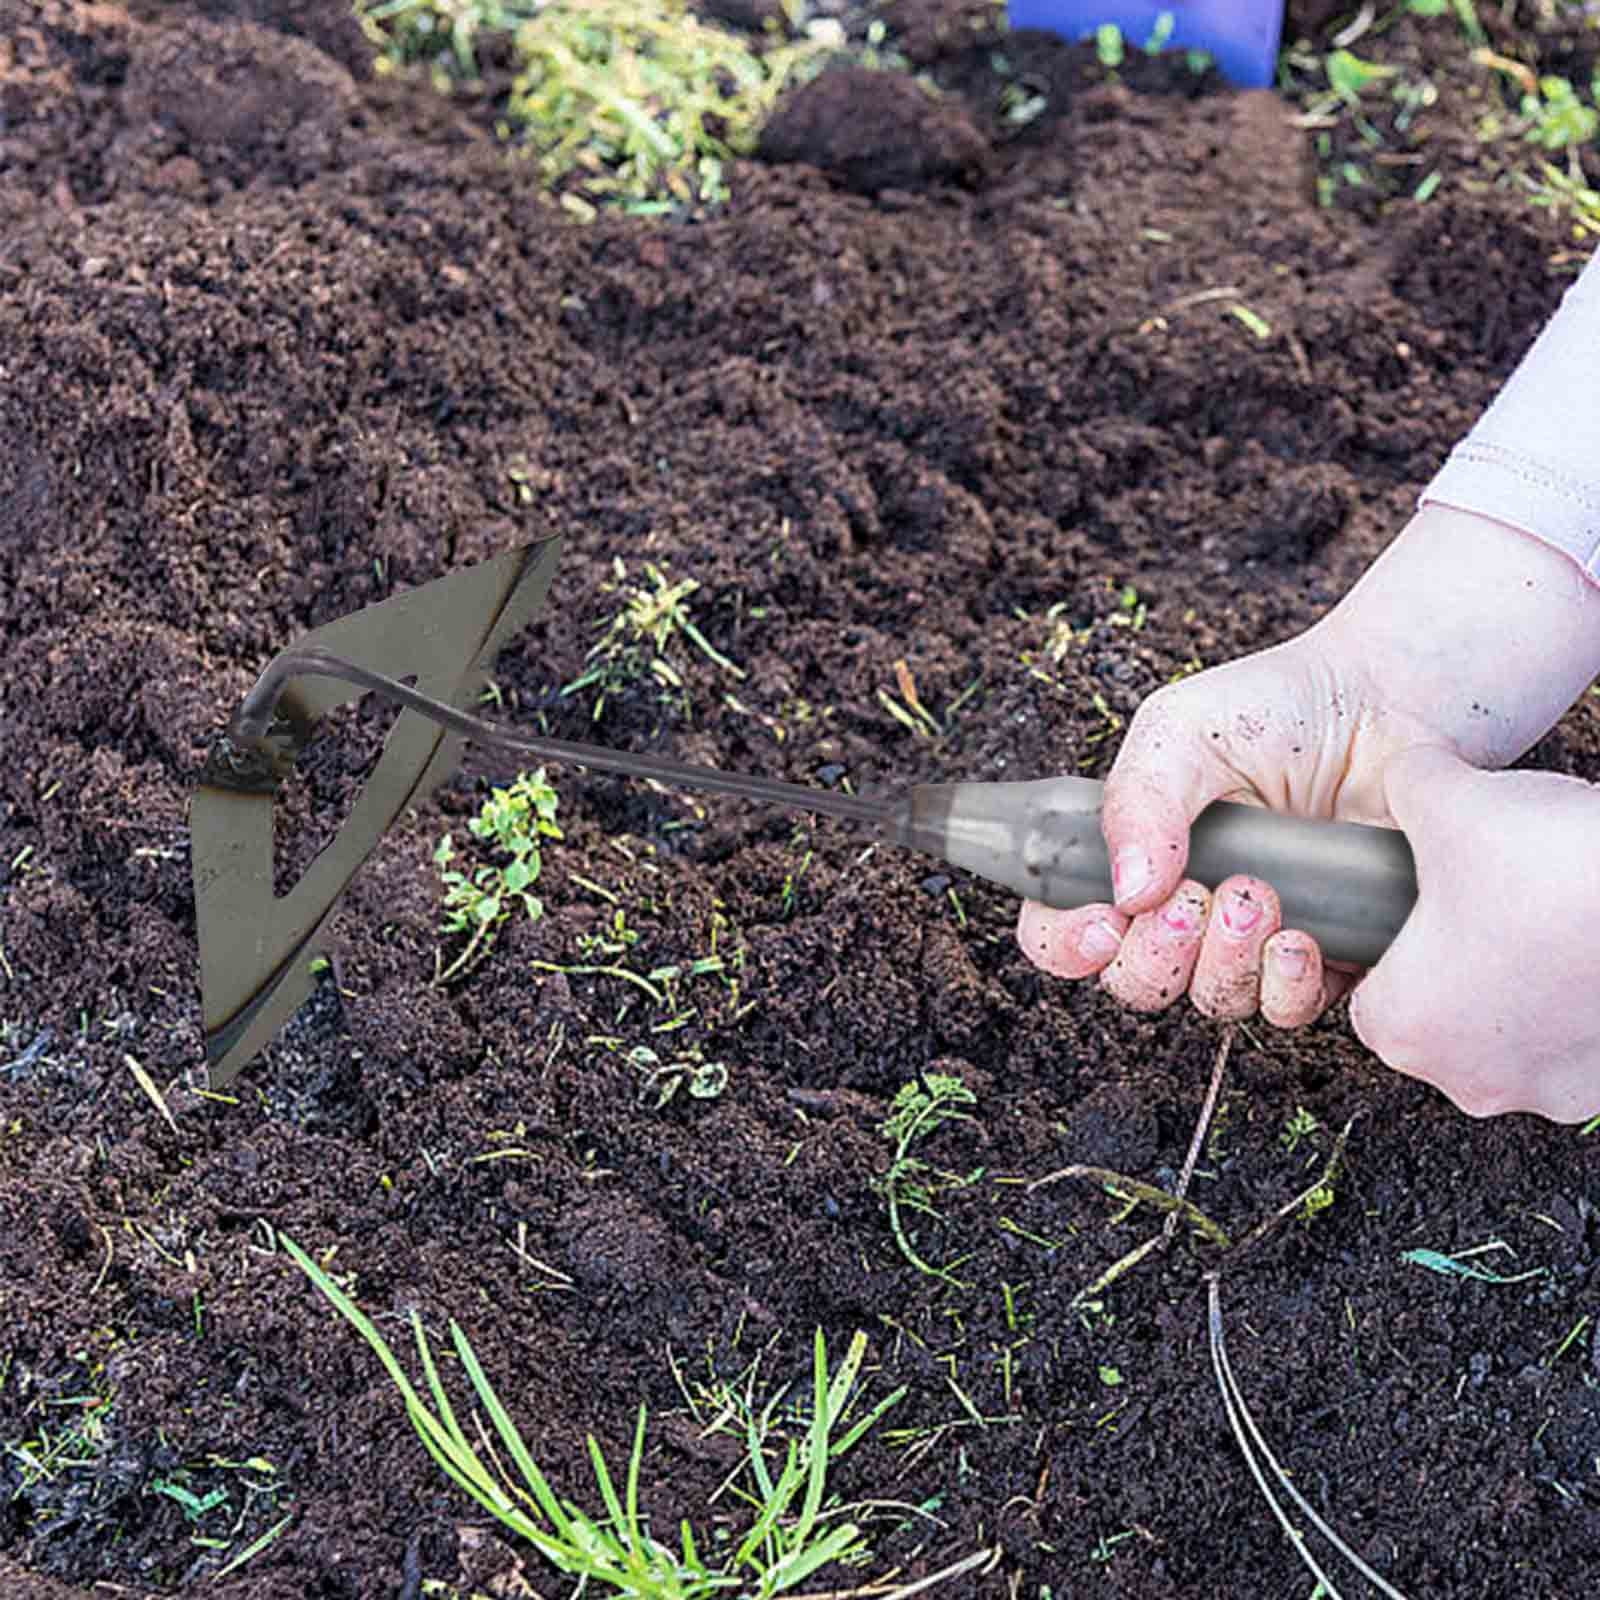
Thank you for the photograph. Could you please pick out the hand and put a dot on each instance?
(1431, 648)
(1489, 992)
(1298, 727)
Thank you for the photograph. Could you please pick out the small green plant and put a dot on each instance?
(639, 639)
(1300, 1126)
(1561, 194)
(617, 940)
(1160, 33)
(663, 1077)
(919, 1108)
(1557, 116)
(1466, 13)
(1349, 75)
(513, 821)
(793, 1534)
(1109, 48)
(791, 886)
(439, 30)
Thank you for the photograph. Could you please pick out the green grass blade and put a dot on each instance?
(634, 1461)
(542, 1493)
(821, 1424)
(773, 1506)
(431, 1373)
(608, 1492)
(800, 1564)
(447, 1446)
(422, 1419)
(870, 1421)
(758, 1461)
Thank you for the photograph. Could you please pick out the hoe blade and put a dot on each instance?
(255, 947)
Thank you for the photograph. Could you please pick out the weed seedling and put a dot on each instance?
(1300, 1126)
(705, 1080)
(793, 1533)
(617, 940)
(513, 820)
(428, 30)
(638, 640)
(1557, 192)
(910, 1184)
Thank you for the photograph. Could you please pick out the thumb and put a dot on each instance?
(1163, 778)
(1424, 786)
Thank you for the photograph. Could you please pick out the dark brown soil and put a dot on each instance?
(279, 338)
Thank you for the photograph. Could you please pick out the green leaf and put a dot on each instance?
(1348, 74)
(488, 908)
(1450, 1267)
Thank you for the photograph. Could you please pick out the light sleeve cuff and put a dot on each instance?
(1533, 459)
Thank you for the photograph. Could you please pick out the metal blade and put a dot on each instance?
(255, 947)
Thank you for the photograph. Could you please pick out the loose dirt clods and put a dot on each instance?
(273, 333)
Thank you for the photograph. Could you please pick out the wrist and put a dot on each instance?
(1476, 629)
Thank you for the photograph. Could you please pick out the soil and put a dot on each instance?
(280, 337)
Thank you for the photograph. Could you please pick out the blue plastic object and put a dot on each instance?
(1241, 35)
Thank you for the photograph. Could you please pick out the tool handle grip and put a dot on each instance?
(1349, 885)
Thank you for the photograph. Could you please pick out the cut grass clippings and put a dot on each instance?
(637, 104)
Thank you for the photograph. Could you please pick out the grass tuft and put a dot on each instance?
(793, 1535)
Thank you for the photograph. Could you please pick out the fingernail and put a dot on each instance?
(1182, 916)
(1098, 941)
(1240, 913)
(1130, 872)
(1291, 963)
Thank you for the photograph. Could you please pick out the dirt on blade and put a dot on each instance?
(280, 337)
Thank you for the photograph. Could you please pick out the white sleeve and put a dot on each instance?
(1533, 459)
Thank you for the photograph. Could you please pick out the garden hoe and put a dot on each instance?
(1349, 885)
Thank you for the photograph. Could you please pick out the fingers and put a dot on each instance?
(1297, 985)
(1157, 959)
(1070, 944)
(1228, 977)
(1223, 951)
(1162, 779)
(1144, 962)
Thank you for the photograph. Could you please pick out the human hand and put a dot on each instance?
(1297, 727)
(1488, 992)
(1465, 634)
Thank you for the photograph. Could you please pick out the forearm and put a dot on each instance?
(1533, 459)
(1475, 628)
(1487, 607)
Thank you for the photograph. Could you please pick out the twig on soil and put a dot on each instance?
(1250, 1442)
(1176, 1204)
(147, 1083)
(1329, 1169)
(1121, 1265)
(882, 1591)
(1207, 1110)
(1159, 1198)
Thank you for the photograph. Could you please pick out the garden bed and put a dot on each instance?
(1048, 404)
